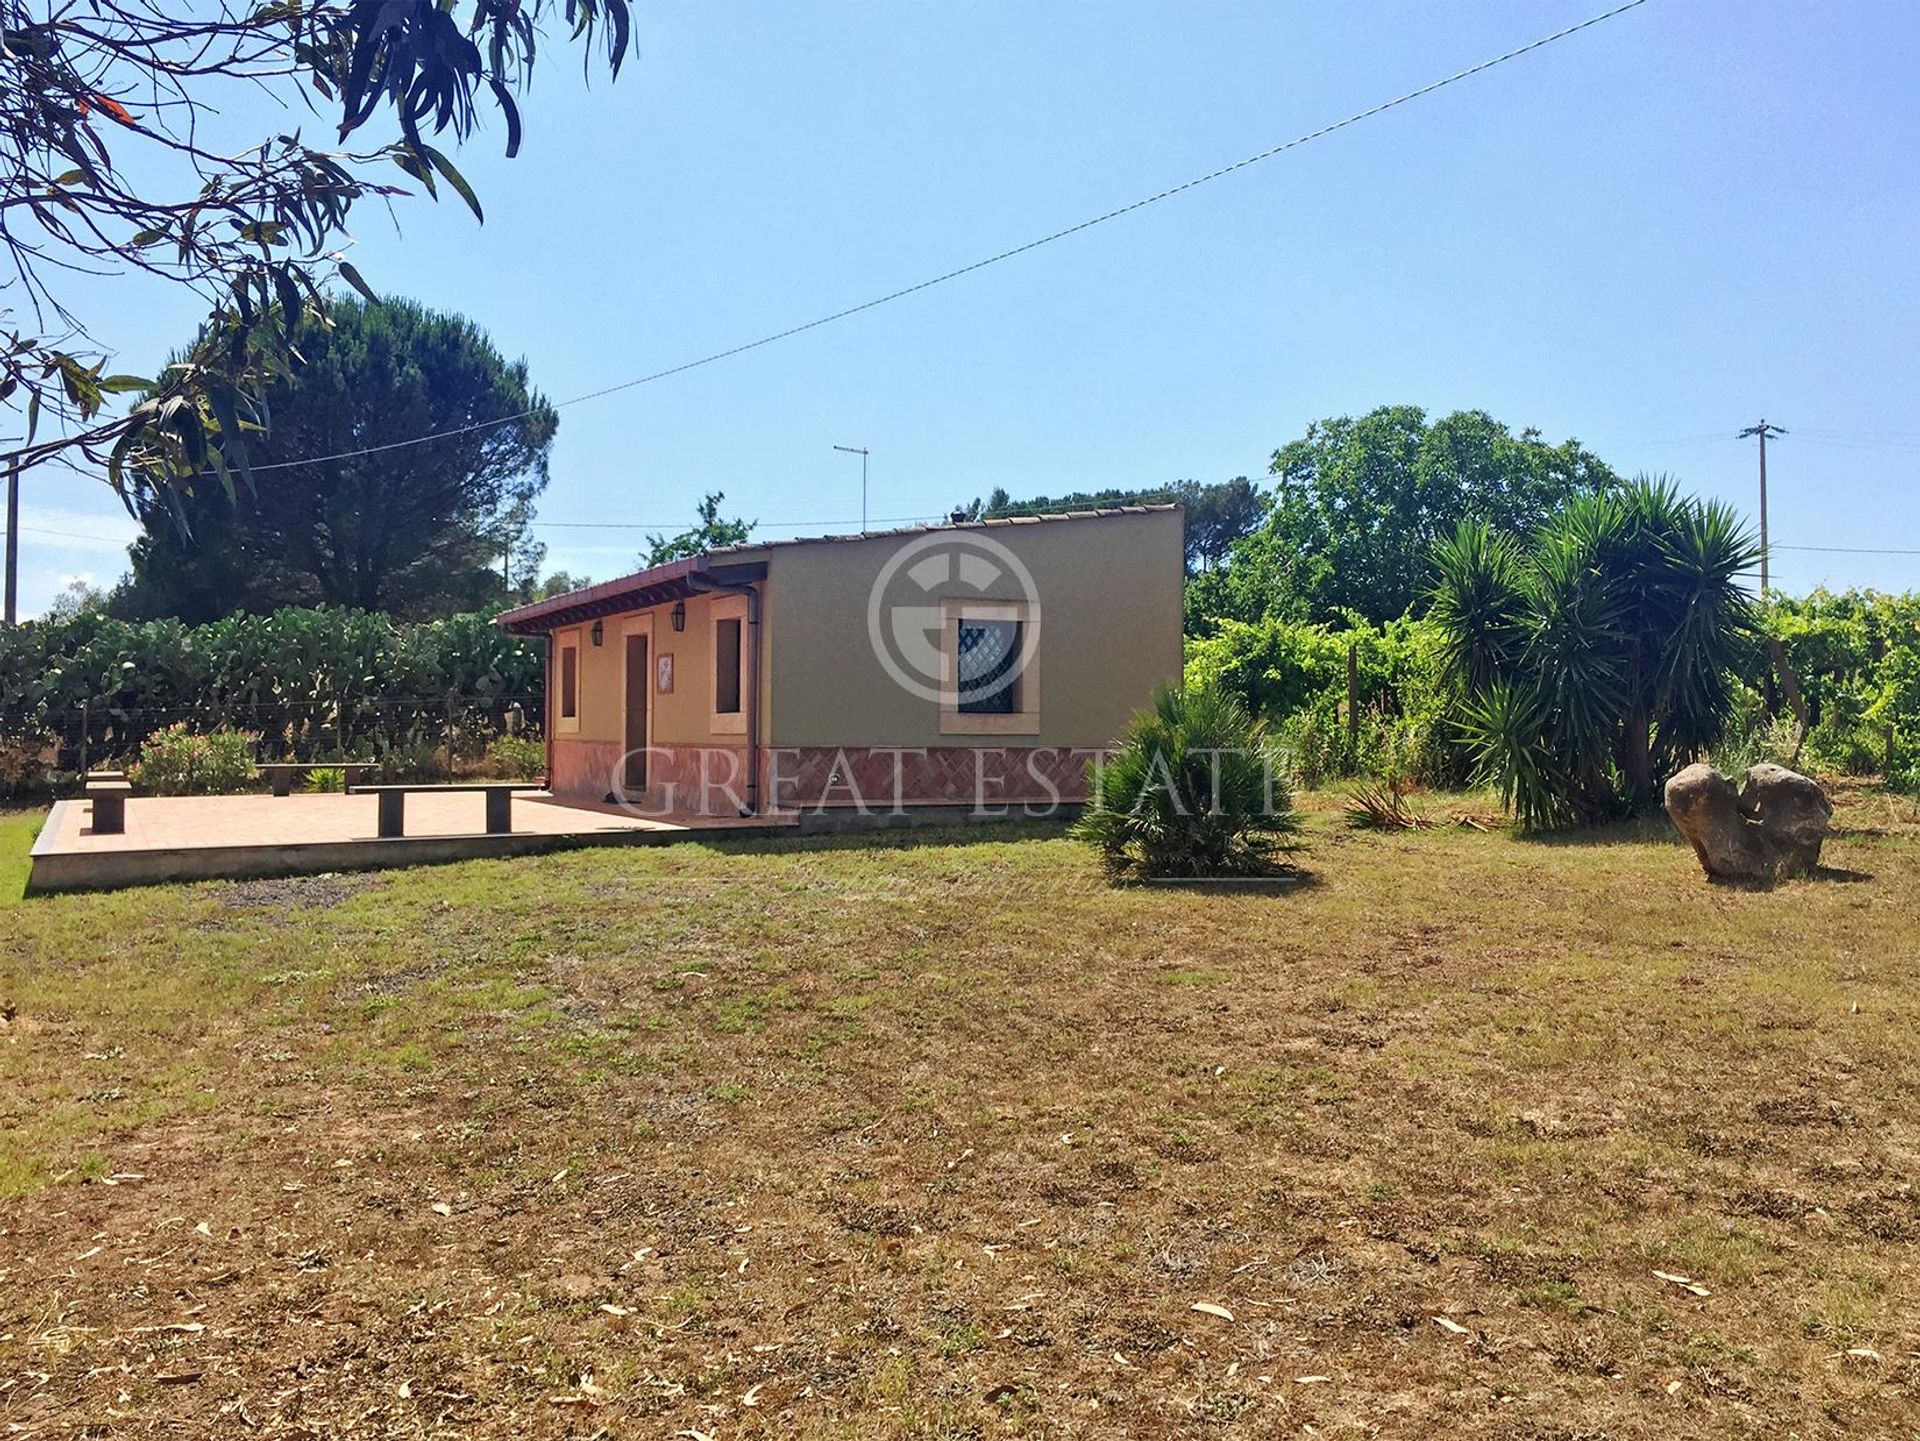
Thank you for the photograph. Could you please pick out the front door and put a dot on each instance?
(637, 678)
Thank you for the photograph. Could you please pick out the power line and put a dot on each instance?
(541, 524)
(681, 523)
(850, 520)
(1868, 436)
(1718, 437)
(1848, 549)
(77, 535)
(1847, 440)
(1842, 443)
(1017, 250)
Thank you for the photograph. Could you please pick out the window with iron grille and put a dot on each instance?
(988, 657)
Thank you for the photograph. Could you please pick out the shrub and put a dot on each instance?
(517, 758)
(1420, 750)
(1295, 676)
(177, 762)
(1771, 741)
(1857, 657)
(319, 682)
(23, 765)
(327, 780)
(1312, 744)
(1194, 789)
(1848, 749)
(411, 762)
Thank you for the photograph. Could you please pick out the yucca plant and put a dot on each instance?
(1193, 789)
(1600, 660)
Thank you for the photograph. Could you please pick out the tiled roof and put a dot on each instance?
(986, 523)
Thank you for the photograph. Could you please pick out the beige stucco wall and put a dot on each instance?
(685, 715)
(1109, 592)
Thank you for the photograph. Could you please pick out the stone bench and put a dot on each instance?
(107, 794)
(393, 802)
(283, 775)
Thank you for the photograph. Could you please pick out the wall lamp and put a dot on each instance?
(679, 614)
(598, 633)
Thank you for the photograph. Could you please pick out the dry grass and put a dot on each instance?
(946, 1139)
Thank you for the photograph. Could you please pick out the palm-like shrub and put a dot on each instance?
(1598, 661)
(1193, 789)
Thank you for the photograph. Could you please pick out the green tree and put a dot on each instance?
(105, 116)
(1000, 503)
(79, 596)
(522, 555)
(417, 530)
(559, 583)
(1598, 660)
(1359, 503)
(1217, 514)
(1218, 517)
(709, 534)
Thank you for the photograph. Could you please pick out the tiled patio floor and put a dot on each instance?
(196, 837)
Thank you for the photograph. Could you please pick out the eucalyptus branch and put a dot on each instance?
(97, 97)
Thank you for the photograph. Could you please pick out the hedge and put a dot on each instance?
(309, 683)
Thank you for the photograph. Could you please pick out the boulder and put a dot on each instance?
(1791, 811)
(1771, 827)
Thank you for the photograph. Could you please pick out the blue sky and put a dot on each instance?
(1647, 236)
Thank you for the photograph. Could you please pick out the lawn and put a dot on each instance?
(942, 1137)
(18, 832)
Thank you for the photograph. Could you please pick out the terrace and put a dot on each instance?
(180, 838)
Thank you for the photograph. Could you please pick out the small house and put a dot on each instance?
(977, 664)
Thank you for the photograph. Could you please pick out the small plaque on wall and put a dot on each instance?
(663, 673)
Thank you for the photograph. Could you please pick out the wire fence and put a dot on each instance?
(412, 734)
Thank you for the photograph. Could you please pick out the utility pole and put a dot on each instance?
(1763, 430)
(13, 543)
(861, 451)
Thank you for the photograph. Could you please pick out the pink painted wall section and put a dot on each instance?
(681, 780)
(697, 780)
(711, 780)
(583, 769)
(805, 776)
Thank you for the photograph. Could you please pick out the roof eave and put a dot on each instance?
(675, 580)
